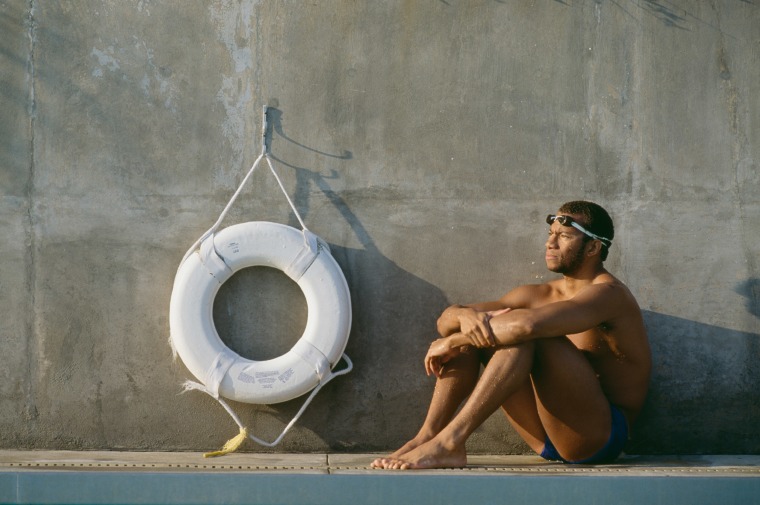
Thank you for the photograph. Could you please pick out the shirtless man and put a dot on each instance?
(568, 361)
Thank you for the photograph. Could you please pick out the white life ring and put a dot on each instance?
(306, 260)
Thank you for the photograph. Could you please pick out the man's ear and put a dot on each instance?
(593, 247)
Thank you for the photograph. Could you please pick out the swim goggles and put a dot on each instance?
(569, 221)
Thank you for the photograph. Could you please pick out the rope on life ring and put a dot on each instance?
(222, 373)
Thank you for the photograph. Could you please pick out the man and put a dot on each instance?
(568, 361)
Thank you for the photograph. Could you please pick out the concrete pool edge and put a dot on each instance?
(111, 477)
(335, 463)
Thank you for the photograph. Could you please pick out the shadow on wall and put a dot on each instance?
(666, 13)
(750, 289)
(394, 315)
(703, 397)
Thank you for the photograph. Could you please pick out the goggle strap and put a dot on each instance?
(581, 229)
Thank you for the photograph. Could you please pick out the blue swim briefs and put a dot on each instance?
(606, 454)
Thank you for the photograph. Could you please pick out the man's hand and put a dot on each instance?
(476, 327)
(440, 352)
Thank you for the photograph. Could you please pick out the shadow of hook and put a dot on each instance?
(274, 124)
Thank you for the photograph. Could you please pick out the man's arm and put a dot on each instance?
(466, 325)
(476, 315)
(593, 306)
(472, 319)
(589, 308)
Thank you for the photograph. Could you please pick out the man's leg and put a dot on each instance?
(573, 409)
(458, 381)
(565, 402)
(522, 413)
(506, 372)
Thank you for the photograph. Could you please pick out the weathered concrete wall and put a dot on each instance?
(425, 141)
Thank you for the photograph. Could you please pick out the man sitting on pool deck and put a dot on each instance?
(568, 361)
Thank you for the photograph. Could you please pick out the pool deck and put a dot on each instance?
(185, 477)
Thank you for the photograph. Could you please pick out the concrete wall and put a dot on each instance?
(425, 141)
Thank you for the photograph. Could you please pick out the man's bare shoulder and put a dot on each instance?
(607, 285)
(607, 278)
(530, 295)
(610, 297)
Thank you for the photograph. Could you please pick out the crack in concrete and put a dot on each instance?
(30, 410)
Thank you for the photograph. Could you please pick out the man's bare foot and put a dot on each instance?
(410, 445)
(432, 454)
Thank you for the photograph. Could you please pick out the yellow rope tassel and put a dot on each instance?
(232, 445)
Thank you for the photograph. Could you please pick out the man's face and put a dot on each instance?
(565, 247)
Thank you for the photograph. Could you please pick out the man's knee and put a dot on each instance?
(554, 354)
(554, 346)
(524, 348)
(561, 341)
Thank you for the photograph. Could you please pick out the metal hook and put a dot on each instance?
(264, 128)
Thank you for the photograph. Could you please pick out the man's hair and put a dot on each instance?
(594, 218)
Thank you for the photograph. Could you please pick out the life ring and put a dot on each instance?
(304, 258)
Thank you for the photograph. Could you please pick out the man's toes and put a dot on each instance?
(380, 463)
(397, 464)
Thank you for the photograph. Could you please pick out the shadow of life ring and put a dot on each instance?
(302, 256)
